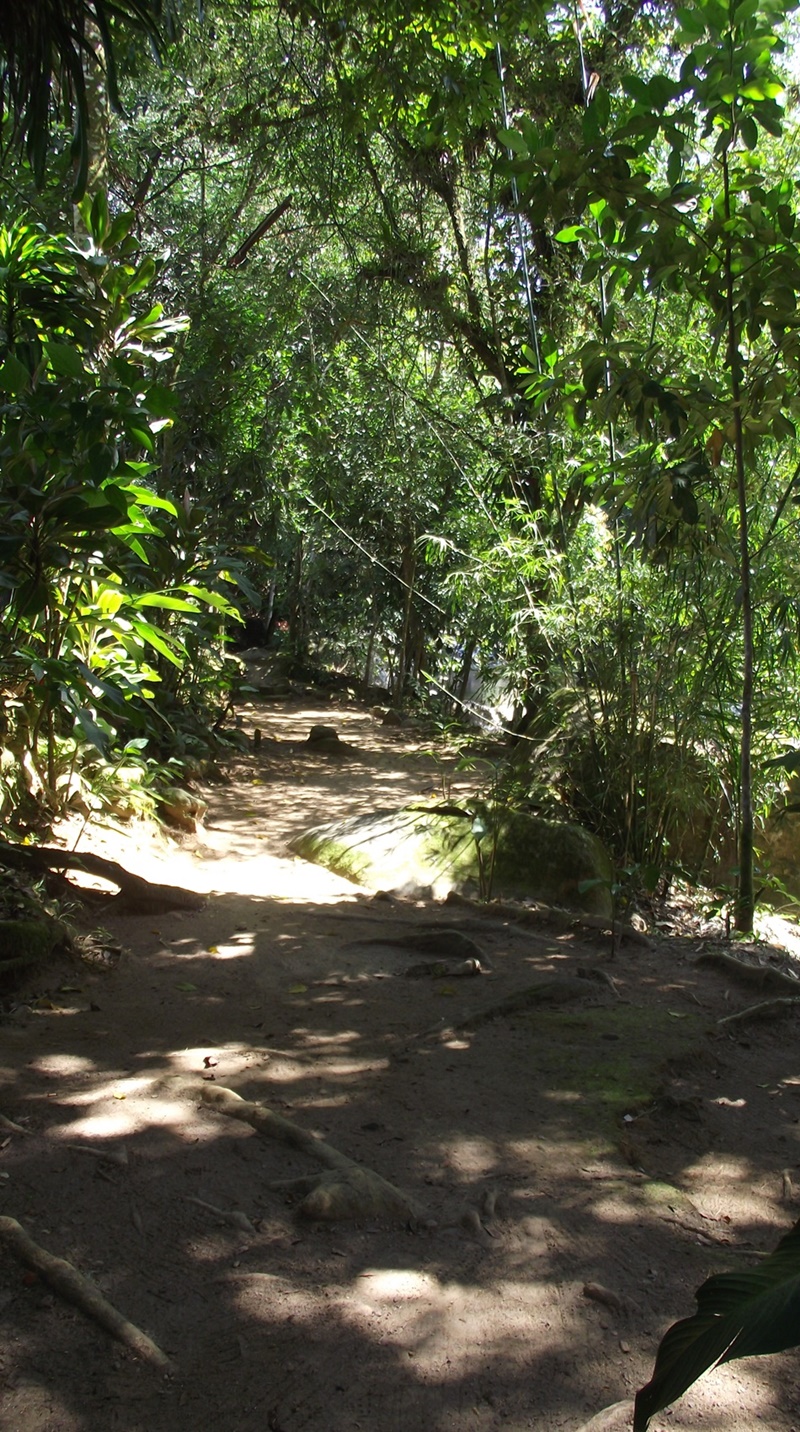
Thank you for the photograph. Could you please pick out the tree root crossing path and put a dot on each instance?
(289, 1161)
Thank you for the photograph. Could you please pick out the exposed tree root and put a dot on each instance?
(764, 976)
(11, 1127)
(345, 1190)
(233, 1216)
(562, 990)
(763, 1010)
(445, 941)
(616, 1418)
(535, 916)
(599, 1294)
(137, 895)
(65, 1280)
(442, 970)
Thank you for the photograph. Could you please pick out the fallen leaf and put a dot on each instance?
(186, 988)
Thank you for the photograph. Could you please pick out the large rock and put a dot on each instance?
(418, 851)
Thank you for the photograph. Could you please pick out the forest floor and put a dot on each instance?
(582, 1168)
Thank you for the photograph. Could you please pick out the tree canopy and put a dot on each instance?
(460, 341)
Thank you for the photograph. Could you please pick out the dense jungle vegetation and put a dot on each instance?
(435, 340)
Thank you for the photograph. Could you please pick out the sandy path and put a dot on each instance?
(280, 989)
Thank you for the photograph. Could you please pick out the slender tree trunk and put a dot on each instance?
(268, 616)
(407, 573)
(745, 897)
(97, 107)
(462, 680)
(373, 636)
(297, 622)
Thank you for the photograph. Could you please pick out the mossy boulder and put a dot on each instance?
(420, 851)
(25, 943)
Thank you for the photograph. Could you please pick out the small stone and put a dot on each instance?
(322, 733)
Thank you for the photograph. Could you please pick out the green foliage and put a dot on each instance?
(340, 196)
(43, 41)
(90, 620)
(738, 1315)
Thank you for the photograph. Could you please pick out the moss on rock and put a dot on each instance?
(26, 943)
(418, 851)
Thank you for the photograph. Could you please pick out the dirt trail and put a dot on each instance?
(617, 1141)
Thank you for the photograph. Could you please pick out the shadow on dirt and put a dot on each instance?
(619, 1141)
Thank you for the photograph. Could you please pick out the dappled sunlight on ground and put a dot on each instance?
(510, 1132)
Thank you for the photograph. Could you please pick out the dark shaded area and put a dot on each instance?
(536, 1124)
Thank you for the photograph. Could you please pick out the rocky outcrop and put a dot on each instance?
(421, 851)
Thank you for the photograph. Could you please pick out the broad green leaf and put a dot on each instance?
(98, 217)
(691, 21)
(573, 234)
(65, 361)
(749, 131)
(513, 140)
(14, 376)
(93, 733)
(142, 277)
(119, 230)
(31, 597)
(165, 601)
(738, 1315)
(769, 117)
(171, 649)
(146, 498)
(789, 761)
(160, 401)
(636, 88)
(213, 599)
(257, 555)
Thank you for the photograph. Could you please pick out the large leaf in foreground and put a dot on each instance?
(738, 1315)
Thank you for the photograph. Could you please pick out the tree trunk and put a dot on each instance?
(407, 573)
(373, 636)
(745, 896)
(462, 680)
(97, 112)
(298, 634)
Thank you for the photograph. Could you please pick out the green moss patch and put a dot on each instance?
(604, 1063)
(422, 851)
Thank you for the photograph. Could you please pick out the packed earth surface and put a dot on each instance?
(575, 1161)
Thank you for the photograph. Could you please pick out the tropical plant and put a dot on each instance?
(87, 621)
(675, 200)
(53, 51)
(738, 1315)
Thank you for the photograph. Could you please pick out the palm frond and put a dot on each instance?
(46, 47)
